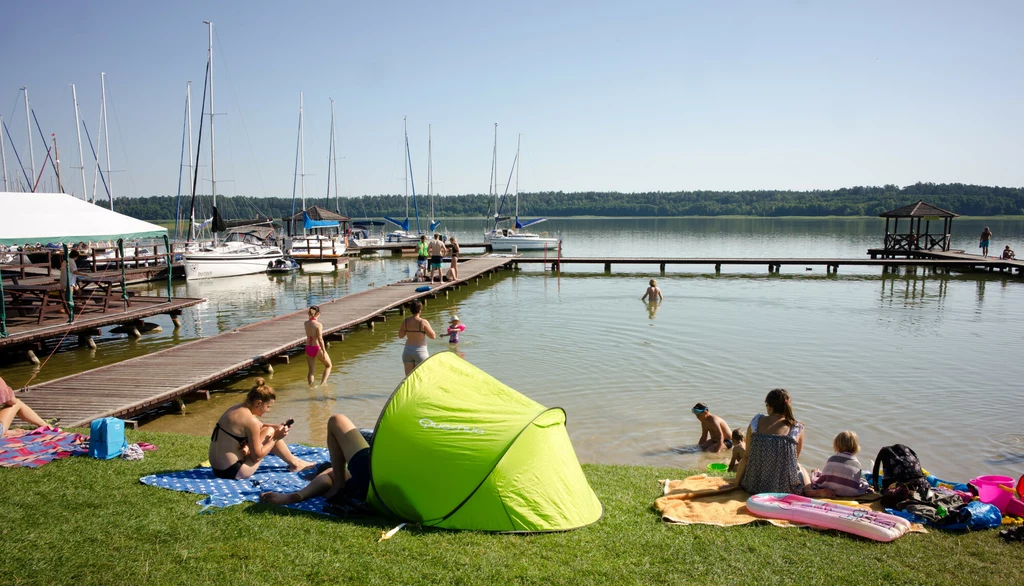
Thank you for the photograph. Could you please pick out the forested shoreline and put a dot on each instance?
(972, 200)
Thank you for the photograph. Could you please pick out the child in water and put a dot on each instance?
(739, 449)
(842, 475)
(653, 293)
(714, 431)
(455, 328)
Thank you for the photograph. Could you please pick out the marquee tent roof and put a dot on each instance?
(28, 218)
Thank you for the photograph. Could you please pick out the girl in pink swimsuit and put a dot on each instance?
(315, 346)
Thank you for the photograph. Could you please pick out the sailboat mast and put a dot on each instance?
(56, 164)
(3, 155)
(518, 141)
(430, 171)
(188, 116)
(31, 151)
(213, 149)
(494, 174)
(334, 151)
(302, 161)
(405, 131)
(106, 138)
(81, 156)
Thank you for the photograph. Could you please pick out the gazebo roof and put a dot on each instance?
(319, 213)
(918, 210)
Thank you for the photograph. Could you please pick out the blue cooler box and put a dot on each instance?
(106, 438)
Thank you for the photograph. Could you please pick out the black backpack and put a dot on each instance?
(899, 463)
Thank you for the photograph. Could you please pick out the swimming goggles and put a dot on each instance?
(697, 411)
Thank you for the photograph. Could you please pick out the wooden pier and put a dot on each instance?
(399, 248)
(774, 265)
(146, 382)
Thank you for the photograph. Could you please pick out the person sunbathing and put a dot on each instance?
(240, 440)
(11, 407)
(350, 454)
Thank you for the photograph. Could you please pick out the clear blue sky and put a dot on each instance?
(608, 95)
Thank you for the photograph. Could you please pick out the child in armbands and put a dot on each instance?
(842, 475)
(455, 328)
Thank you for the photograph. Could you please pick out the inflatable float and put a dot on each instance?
(823, 515)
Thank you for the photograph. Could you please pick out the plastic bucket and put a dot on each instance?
(718, 468)
(989, 490)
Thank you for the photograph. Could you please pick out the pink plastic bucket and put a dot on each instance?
(989, 490)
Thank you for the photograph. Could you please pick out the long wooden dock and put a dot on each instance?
(398, 248)
(143, 383)
(773, 265)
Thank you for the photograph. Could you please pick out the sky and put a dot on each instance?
(607, 96)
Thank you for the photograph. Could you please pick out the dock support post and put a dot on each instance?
(176, 318)
(170, 269)
(31, 355)
(86, 340)
(267, 368)
(771, 269)
(662, 269)
(607, 267)
(718, 269)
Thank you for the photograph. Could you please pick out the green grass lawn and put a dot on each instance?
(83, 521)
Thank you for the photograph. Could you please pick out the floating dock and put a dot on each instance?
(146, 382)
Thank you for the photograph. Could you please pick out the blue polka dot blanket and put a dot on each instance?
(271, 476)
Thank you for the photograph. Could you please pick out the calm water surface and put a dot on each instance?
(917, 358)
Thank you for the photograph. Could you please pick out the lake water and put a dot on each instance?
(928, 360)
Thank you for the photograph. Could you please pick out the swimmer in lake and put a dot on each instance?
(715, 432)
(653, 294)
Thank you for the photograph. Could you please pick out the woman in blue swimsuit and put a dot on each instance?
(240, 440)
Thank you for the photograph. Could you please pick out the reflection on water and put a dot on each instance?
(908, 356)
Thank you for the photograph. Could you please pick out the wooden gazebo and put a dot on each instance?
(914, 237)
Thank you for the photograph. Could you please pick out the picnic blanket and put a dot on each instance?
(19, 447)
(271, 476)
(724, 510)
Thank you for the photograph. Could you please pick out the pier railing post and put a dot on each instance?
(170, 270)
(3, 311)
(124, 286)
(69, 289)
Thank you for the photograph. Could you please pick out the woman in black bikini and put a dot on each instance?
(240, 440)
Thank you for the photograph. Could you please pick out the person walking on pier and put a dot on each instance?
(986, 236)
(315, 347)
(422, 249)
(415, 330)
(240, 440)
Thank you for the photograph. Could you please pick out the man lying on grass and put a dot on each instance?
(346, 446)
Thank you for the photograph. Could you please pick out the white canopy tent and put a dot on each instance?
(28, 218)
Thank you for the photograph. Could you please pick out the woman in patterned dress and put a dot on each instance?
(774, 442)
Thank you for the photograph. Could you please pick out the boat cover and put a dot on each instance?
(53, 218)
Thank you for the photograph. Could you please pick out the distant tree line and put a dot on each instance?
(974, 200)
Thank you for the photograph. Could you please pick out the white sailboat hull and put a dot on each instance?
(520, 242)
(217, 263)
(317, 247)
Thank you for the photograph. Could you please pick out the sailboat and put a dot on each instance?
(243, 251)
(322, 237)
(516, 237)
(403, 233)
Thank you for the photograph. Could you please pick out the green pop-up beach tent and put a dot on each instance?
(455, 448)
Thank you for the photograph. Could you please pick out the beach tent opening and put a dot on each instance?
(53, 218)
(457, 449)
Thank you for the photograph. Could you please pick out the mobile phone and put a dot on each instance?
(289, 423)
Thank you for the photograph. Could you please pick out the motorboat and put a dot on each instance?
(282, 266)
(241, 253)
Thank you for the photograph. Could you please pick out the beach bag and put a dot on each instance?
(106, 438)
(899, 464)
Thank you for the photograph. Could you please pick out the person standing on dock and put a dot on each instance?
(415, 330)
(453, 272)
(315, 346)
(421, 255)
(986, 236)
(437, 250)
(653, 294)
